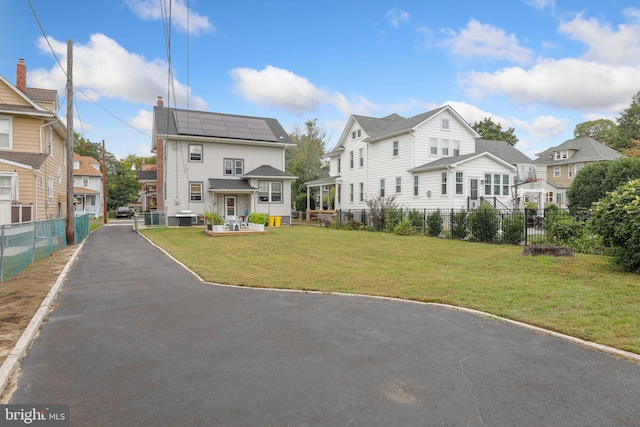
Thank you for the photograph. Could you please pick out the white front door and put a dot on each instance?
(230, 205)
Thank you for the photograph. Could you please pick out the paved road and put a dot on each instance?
(138, 340)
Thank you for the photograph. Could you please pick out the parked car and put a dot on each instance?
(123, 212)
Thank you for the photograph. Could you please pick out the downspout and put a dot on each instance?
(46, 124)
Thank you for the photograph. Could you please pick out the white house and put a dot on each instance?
(429, 161)
(213, 162)
(87, 186)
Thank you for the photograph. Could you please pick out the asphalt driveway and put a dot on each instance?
(136, 339)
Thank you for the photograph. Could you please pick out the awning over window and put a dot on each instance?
(232, 185)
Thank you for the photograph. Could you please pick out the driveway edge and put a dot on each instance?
(12, 361)
(612, 351)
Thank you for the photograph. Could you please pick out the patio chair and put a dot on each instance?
(245, 222)
(233, 222)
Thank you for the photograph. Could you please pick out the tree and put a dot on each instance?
(629, 122)
(595, 180)
(602, 130)
(617, 219)
(493, 131)
(305, 159)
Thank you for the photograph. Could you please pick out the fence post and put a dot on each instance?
(33, 246)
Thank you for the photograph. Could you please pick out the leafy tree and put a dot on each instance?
(484, 223)
(595, 180)
(629, 122)
(493, 131)
(305, 159)
(379, 207)
(616, 217)
(434, 223)
(602, 130)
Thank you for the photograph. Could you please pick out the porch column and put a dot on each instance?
(321, 196)
(308, 203)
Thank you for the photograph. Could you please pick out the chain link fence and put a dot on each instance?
(24, 243)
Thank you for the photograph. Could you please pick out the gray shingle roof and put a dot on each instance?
(148, 176)
(502, 149)
(587, 150)
(165, 121)
(229, 184)
(34, 160)
(267, 170)
(392, 124)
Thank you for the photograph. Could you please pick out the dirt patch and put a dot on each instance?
(21, 296)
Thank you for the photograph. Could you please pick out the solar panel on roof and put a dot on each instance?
(218, 125)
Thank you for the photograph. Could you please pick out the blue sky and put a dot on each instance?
(540, 66)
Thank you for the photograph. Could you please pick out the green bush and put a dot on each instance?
(405, 228)
(258, 218)
(416, 218)
(616, 217)
(352, 224)
(434, 223)
(513, 229)
(459, 224)
(484, 223)
(393, 218)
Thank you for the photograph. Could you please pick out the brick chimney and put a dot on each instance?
(160, 102)
(21, 75)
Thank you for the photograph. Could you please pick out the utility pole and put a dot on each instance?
(104, 184)
(71, 223)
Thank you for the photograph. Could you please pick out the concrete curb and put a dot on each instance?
(12, 361)
(612, 351)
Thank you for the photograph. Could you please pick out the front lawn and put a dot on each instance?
(579, 296)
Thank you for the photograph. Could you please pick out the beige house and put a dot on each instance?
(33, 173)
(559, 165)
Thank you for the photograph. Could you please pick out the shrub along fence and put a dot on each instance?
(24, 243)
(483, 224)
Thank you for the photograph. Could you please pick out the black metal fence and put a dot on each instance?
(484, 224)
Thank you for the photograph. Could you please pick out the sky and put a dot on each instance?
(538, 66)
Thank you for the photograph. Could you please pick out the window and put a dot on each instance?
(351, 192)
(85, 181)
(443, 184)
(550, 197)
(5, 187)
(50, 187)
(76, 165)
(233, 166)
(570, 171)
(433, 146)
(195, 191)
(444, 124)
(195, 152)
(338, 164)
(362, 191)
(356, 134)
(416, 190)
(455, 145)
(496, 185)
(487, 184)
(505, 185)
(557, 171)
(563, 154)
(459, 183)
(361, 154)
(269, 192)
(578, 167)
(382, 187)
(398, 185)
(90, 199)
(351, 159)
(396, 149)
(445, 147)
(559, 198)
(6, 140)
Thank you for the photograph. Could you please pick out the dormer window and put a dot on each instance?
(76, 165)
(563, 154)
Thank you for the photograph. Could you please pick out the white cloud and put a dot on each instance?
(541, 4)
(542, 127)
(103, 68)
(185, 19)
(566, 83)
(621, 47)
(486, 41)
(281, 88)
(396, 16)
(143, 122)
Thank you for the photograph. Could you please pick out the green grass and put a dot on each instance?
(579, 296)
